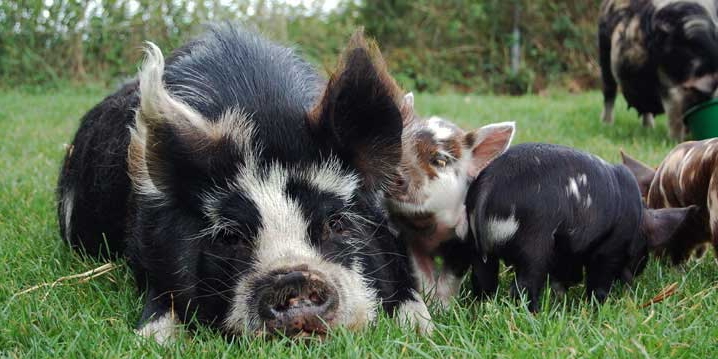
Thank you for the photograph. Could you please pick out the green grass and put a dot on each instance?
(95, 318)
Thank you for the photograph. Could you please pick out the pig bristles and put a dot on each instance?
(81, 278)
(665, 293)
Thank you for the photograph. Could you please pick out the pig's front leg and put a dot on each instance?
(485, 276)
(447, 287)
(424, 272)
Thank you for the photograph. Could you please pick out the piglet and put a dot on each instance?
(687, 176)
(550, 210)
(439, 161)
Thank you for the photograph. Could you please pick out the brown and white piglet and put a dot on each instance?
(687, 176)
(439, 162)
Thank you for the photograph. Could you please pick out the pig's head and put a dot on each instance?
(272, 219)
(439, 161)
(658, 228)
(657, 188)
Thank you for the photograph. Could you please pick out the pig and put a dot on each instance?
(439, 162)
(662, 53)
(553, 211)
(687, 176)
(245, 191)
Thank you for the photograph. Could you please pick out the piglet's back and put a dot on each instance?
(578, 194)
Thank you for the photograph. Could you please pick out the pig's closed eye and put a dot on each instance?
(333, 227)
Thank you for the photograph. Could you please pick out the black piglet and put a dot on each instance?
(553, 211)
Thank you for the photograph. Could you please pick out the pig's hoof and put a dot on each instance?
(162, 330)
(415, 315)
(648, 120)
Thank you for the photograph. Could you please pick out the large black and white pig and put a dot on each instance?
(244, 190)
(551, 210)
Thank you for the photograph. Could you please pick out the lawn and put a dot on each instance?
(95, 318)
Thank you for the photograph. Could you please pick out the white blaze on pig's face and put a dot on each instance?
(439, 162)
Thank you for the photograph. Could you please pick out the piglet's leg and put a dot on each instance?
(532, 266)
(531, 279)
(600, 274)
(485, 276)
(424, 272)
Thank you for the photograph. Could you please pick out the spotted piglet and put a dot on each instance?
(439, 162)
(687, 176)
(550, 210)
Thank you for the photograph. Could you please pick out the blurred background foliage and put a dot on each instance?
(430, 45)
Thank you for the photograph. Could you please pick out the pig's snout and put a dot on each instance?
(297, 302)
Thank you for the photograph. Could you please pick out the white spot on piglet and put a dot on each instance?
(501, 230)
(572, 189)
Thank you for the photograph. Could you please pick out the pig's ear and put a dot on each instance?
(359, 115)
(173, 149)
(705, 84)
(407, 109)
(661, 225)
(644, 174)
(487, 143)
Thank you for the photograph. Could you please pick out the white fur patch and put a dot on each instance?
(572, 189)
(162, 330)
(68, 202)
(438, 126)
(329, 177)
(415, 315)
(575, 186)
(582, 179)
(283, 230)
(462, 228)
(500, 230)
(607, 114)
(156, 104)
(712, 203)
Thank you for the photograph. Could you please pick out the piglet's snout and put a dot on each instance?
(297, 302)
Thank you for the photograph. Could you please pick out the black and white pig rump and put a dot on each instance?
(662, 53)
(553, 212)
(253, 200)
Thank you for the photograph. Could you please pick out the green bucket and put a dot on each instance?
(702, 120)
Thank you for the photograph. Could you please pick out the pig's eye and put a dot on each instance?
(439, 160)
(333, 227)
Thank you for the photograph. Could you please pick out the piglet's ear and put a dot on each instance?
(359, 114)
(661, 225)
(487, 143)
(644, 174)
